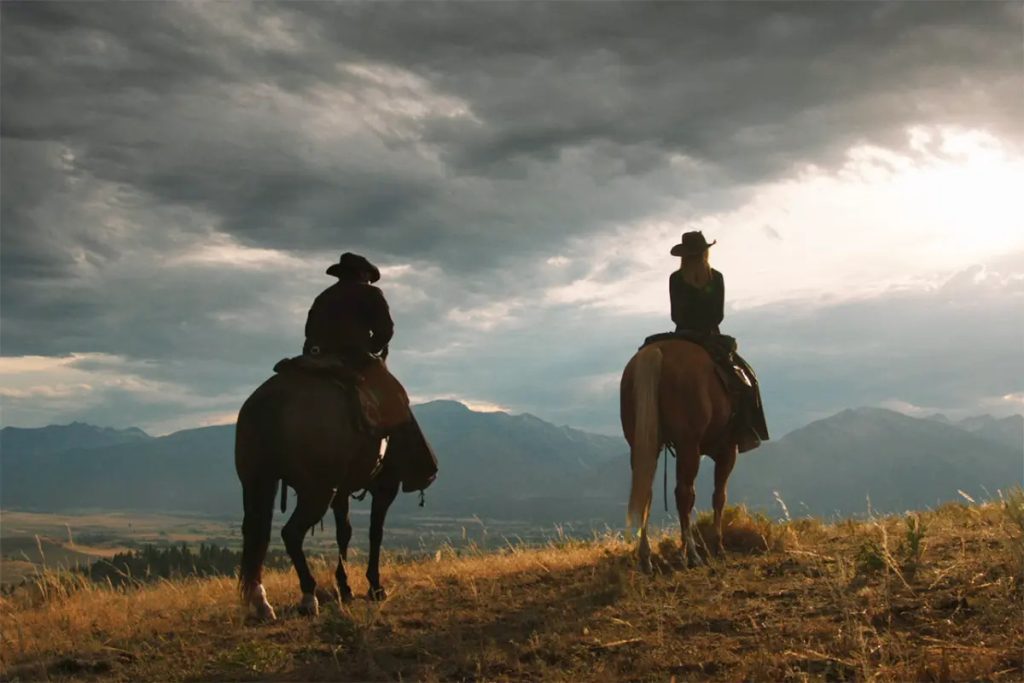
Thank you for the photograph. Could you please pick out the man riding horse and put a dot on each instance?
(349, 325)
(318, 426)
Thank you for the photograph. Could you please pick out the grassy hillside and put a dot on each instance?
(937, 596)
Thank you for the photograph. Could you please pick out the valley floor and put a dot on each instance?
(939, 596)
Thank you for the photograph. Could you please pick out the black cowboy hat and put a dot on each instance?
(350, 264)
(691, 244)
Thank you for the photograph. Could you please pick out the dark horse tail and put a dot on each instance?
(258, 493)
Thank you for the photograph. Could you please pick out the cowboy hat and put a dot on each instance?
(691, 244)
(350, 264)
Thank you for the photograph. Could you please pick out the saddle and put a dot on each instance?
(736, 376)
(383, 403)
(381, 408)
(722, 348)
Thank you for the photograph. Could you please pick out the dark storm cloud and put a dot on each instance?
(203, 105)
(753, 87)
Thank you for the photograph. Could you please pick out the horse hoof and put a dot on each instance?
(377, 594)
(265, 612)
(310, 606)
(346, 596)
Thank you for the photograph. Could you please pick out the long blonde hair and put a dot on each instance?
(696, 268)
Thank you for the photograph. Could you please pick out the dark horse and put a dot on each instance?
(293, 430)
(670, 394)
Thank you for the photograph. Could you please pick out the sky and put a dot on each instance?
(176, 177)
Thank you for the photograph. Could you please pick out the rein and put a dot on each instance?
(664, 470)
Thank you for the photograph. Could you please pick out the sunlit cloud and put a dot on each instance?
(486, 317)
(1014, 400)
(45, 391)
(39, 390)
(400, 93)
(221, 250)
(908, 408)
(885, 219)
(480, 406)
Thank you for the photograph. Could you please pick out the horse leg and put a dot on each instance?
(724, 463)
(687, 464)
(644, 552)
(258, 506)
(384, 494)
(310, 508)
(343, 525)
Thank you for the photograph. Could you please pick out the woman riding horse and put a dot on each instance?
(697, 293)
(673, 394)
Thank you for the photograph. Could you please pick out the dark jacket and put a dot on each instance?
(697, 309)
(349, 317)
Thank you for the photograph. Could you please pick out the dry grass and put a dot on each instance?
(800, 600)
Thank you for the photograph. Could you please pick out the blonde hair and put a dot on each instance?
(696, 268)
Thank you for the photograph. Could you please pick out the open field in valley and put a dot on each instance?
(31, 542)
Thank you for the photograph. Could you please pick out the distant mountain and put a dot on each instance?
(519, 467)
(834, 465)
(188, 470)
(490, 464)
(16, 441)
(514, 453)
(515, 466)
(1008, 431)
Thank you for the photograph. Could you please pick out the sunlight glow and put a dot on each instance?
(887, 218)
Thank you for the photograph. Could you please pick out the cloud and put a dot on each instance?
(407, 139)
(176, 177)
(100, 388)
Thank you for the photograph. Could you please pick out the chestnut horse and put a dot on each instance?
(670, 394)
(295, 429)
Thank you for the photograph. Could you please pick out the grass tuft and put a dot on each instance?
(743, 532)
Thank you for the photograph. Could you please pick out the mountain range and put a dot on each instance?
(877, 458)
(505, 466)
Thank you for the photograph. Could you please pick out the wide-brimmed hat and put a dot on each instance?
(350, 264)
(691, 244)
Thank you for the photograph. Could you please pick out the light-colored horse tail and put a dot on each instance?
(646, 434)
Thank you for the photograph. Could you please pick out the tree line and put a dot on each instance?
(152, 562)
